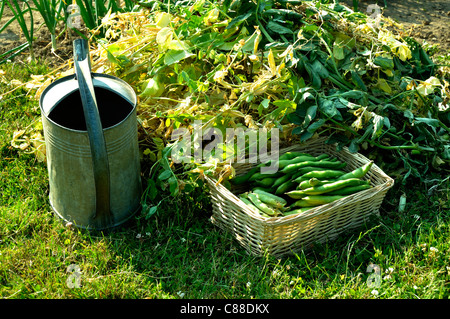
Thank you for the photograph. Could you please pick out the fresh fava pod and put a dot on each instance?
(270, 199)
(254, 198)
(316, 200)
(320, 174)
(299, 159)
(357, 173)
(241, 179)
(282, 179)
(350, 189)
(325, 188)
(285, 187)
(297, 211)
(291, 155)
(283, 163)
(314, 182)
(319, 180)
(322, 163)
(266, 182)
(259, 176)
(248, 203)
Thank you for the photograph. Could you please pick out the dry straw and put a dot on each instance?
(288, 234)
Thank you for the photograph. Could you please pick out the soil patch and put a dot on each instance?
(13, 36)
(425, 20)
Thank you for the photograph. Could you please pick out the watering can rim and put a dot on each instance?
(95, 76)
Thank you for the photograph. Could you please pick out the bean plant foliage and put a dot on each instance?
(308, 68)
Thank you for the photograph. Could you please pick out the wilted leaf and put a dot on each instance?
(272, 65)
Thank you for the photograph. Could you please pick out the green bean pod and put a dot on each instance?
(270, 199)
(297, 211)
(357, 173)
(241, 179)
(254, 198)
(282, 179)
(325, 188)
(316, 200)
(291, 155)
(314, 182)
(323, 164)
(259, 176)
(350, 189)
(320, 174)
(285, 187)
(266, 182)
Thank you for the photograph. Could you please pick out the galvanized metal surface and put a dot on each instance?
(72, 171)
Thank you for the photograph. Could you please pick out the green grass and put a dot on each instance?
(178, 253)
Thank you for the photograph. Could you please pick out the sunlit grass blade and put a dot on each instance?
(52, 11)
(2, 9)
(19, 14)
(4, 57)
(87, 13)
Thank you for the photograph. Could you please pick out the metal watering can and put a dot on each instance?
(90, 129)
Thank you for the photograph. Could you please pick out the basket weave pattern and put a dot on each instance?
(288, 234)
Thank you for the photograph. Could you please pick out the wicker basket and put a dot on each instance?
(287, 234)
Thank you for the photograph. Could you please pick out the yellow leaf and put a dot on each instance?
(279, 68)
(272, 65)
(18, 134)
(257, 40)
(163, 20)
(428, 86)
(164, 37)
(388, 72)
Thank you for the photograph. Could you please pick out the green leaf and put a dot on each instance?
(353, 147)
(358, 81)
(151, 211)
(316, 125)
(329, 108)
(285, 104)
(152, 190)
(294, 118)
(384, 63)
(378, 123)
(338, 52)
(320, 69)
(265, 103)
(239, 19)
(310, 115)
(278, 28)
(353, 94)
(173, 185)
(428, 121)
(165, 175)
(175, 56)
(314, 76)
(408, 114)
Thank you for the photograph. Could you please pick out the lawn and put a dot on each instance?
(177, 253)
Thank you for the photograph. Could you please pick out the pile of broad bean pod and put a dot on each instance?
(301, 182)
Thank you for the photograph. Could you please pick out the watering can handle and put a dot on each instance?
(97, 143)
